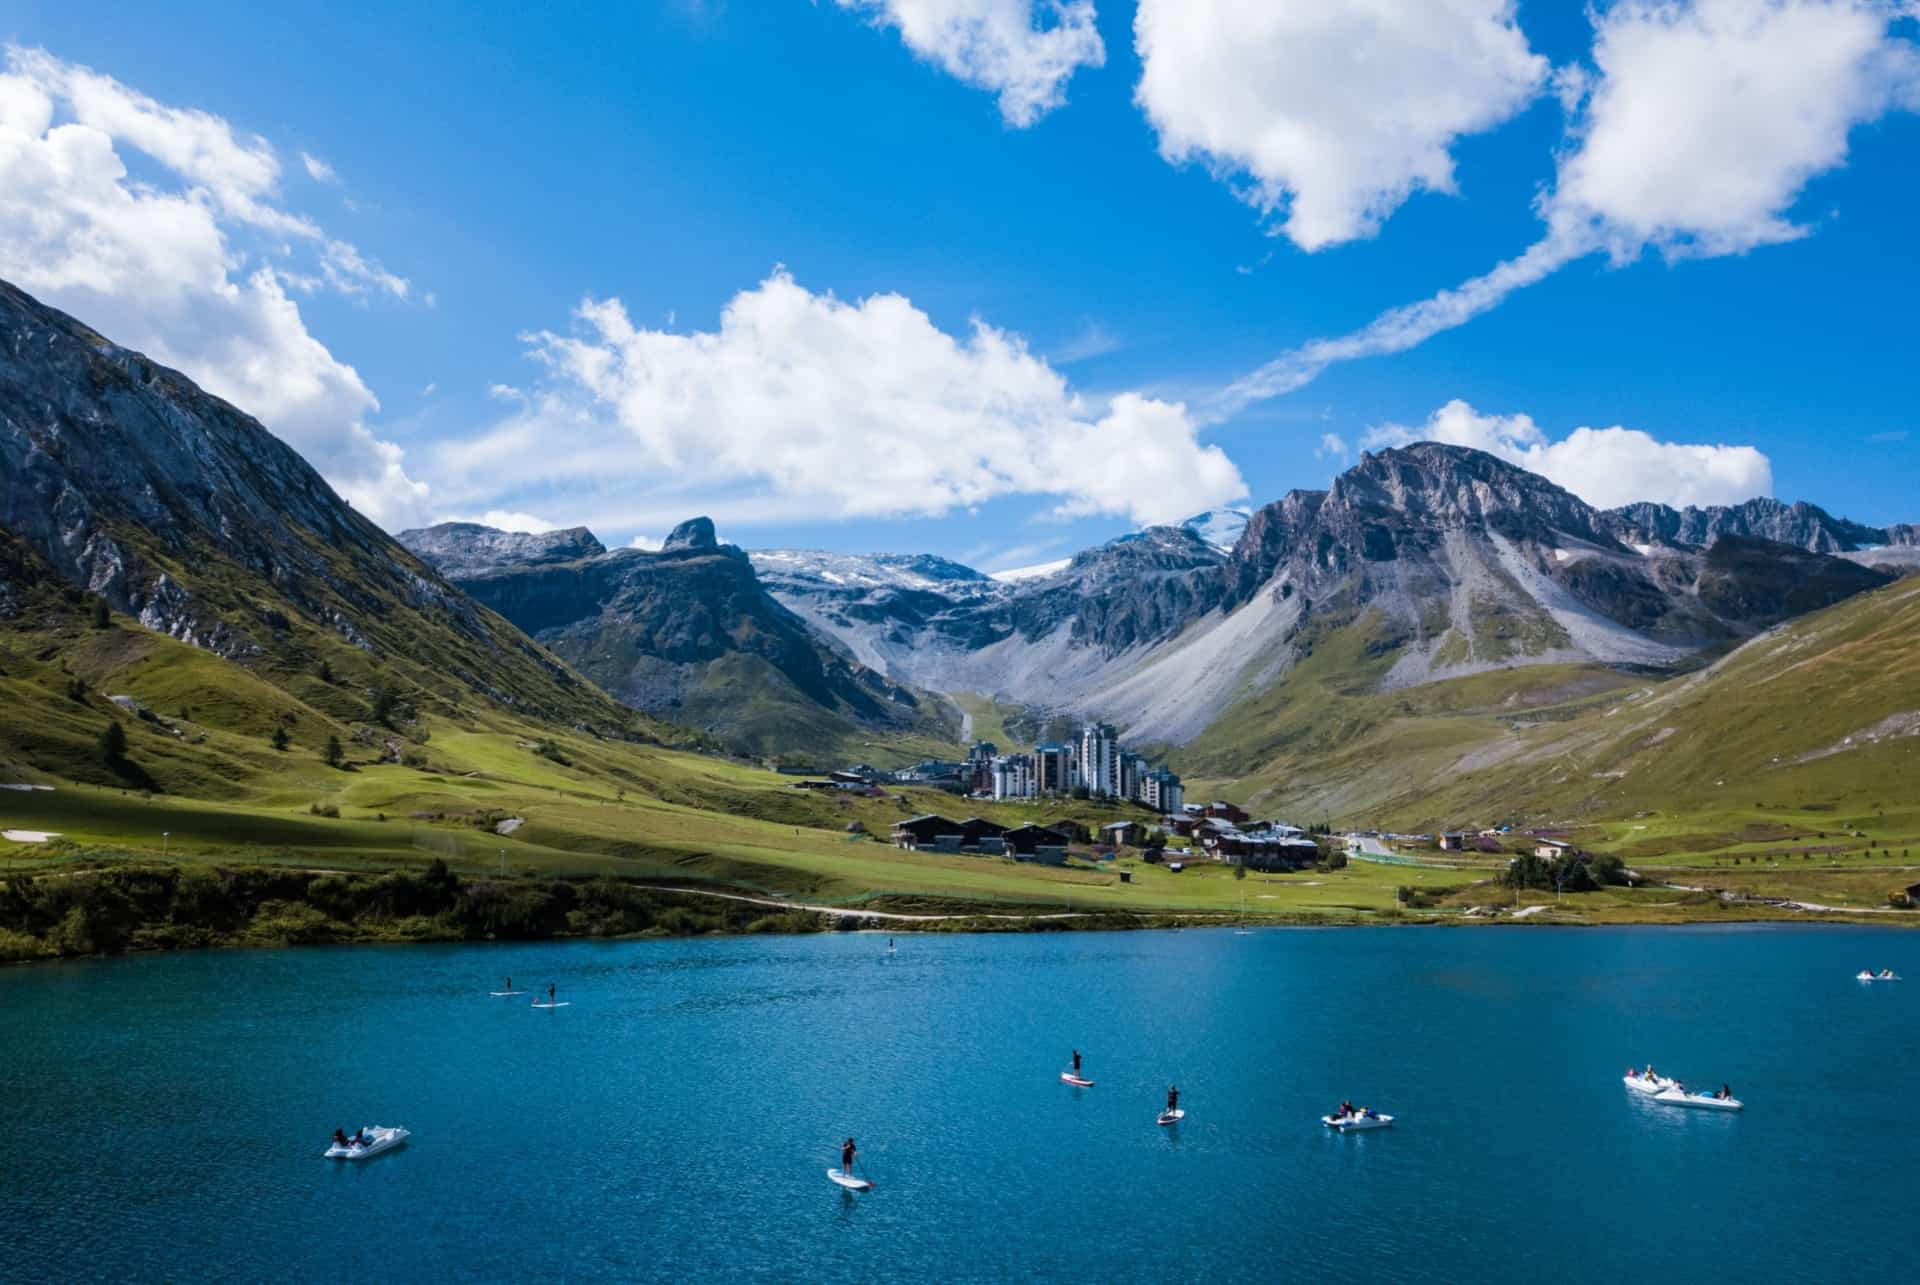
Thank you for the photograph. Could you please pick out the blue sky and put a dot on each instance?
(1735, 292)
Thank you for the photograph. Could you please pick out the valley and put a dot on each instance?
(209, 662)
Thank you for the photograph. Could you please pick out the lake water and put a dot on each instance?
(164, 1116)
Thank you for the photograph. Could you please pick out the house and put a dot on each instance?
(1452, 842)
(1025, 839)
(925, 831)
(1074, 831)
(1130, 834)
(1224, 811)
(978, 828)
(1551, 849)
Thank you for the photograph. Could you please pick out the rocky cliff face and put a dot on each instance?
(175, 507)
(688, 633)
(467, 549)
(1802, 525)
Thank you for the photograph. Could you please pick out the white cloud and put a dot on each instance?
(318, 170)
(1701, 127)
(651, 544)
(172, 264)
(505, 393)
(1332, 447)
(1023, 50)
(1094, 340)
(504, 520)
(1606, 467)
(802, 404)
(1707, 120)
(1336, 111)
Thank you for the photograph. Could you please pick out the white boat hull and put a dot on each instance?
(1356, 1123)
(1704, 1101)
(850, 1182)
(380, 1140)
(1875, 977)
(1649, 1085)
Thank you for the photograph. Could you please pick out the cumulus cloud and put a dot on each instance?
(1023, 50)
(505, 520)
(805, 404)
(1706, 121)
(1696, 132)
(1606, 467)
(190, 264)
(1334, 112)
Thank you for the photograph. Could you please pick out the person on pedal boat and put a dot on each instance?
(339, 1138)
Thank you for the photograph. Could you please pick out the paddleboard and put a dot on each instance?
(503, 994)
(1068, 1077)
(1173, 1117)
(848, 1181)
(562, 1004)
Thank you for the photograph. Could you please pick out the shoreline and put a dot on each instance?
(154, 909)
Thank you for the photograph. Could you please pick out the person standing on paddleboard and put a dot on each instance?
(847, 1150)
(1173, 1098)
(1076, 1064)
(549, 994)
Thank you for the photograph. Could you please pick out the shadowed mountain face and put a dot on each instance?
(125, 479)
(687, 633)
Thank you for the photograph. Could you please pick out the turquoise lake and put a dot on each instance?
(165, 1115)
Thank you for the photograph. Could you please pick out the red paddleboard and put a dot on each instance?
(1068, 1077)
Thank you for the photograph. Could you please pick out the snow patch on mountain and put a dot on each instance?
(1220, 528)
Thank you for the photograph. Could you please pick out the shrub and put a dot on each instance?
(279, 737)
(102, 614)
(323, 810)
(334, 752)
(113, 743)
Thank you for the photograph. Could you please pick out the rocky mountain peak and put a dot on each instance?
(694, 533)
(467, 549)
(1446, 486)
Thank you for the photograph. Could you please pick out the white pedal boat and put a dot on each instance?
(1640, 1082)
(1876, 977)
(1681, 1098)
(1357, 1121)
(379, 1139)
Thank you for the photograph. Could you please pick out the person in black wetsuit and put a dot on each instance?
(550, 993)
(847, 1151)
(1076, 1064)
(339, 1137)
(1173, 1098)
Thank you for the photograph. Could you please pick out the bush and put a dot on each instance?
(279, 737)
(334, 753)
(322, 810)
(548, 750)
(113, 743)
(102, 614)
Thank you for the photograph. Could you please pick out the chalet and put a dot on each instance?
(1075, 831)
(926, 831)
(1123, 834)
(1452, 842)
(1551, 849)
(978, 828)
(1224, 811)
(1025, 839)
(1264, 852)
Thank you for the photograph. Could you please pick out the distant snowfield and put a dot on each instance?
(1037, 572)
(28, 836)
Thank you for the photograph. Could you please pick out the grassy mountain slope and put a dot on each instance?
(1803, 736)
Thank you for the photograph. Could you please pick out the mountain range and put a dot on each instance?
(1419, 566)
